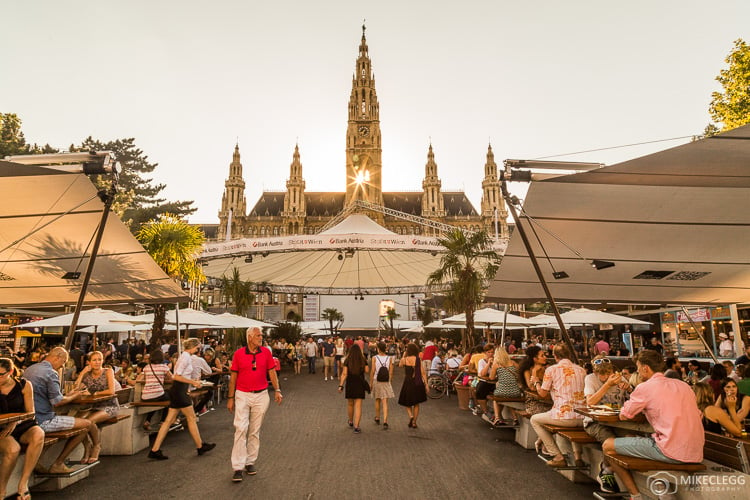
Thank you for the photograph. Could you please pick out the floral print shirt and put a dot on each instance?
(565, 381)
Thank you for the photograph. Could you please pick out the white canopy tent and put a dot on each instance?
(676, 224)
(48, 221)
(357, 255)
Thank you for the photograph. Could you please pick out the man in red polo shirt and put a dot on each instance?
(248, 399)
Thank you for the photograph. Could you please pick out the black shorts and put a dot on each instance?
(178, 396)
(21, 428)
(484, 389)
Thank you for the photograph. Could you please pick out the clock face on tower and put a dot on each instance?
(364, 130)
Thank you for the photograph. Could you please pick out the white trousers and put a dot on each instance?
(249, 410)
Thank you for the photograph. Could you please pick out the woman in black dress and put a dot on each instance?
(17, 396)
(413, 390)
(353, 374)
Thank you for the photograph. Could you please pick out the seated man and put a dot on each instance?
(46, 383)
(565, 381)
(436, 366)
(669, 406)
(604, 386)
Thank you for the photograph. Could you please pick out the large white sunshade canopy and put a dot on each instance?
(357, 255)
(47, 224)
(675, 223)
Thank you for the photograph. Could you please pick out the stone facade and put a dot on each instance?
(296, 211)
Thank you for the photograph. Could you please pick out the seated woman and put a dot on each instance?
(715, 379)
(124, 372)
(732, 401)
(17, 396)
(504, 371)
(96, 380)
(715, 419)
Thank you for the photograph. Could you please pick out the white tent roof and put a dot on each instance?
(342, 260)
(357, 224)
(48, 221)
(675, 223)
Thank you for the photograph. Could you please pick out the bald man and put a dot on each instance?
(47, 396)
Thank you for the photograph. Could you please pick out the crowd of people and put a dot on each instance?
(716, 399)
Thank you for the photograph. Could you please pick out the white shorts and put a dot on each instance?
(58, 423)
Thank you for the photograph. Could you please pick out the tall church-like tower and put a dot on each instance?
(233, 204)
(363, 144)
(432, 198)
(294, 201)
(492, 200)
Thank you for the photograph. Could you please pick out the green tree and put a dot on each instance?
(238, 292)
(138, 198)
(175, 246)
(392, 315)
(465, 268)
(425, 315)
(12, 140)
(731, 107)
(332, 315)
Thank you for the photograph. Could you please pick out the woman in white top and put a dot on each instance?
(381, 389)
(339, 356)
(179, 401)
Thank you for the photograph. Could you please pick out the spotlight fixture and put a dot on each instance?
(204, 263)
(71, 275)
(248, 259)
(265, 254)
(349, 252)
(560, 275)
(601, 264)
(340, 256)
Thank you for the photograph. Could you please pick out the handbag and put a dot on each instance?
(366, 384)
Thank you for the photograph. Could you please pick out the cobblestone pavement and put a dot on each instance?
(308, 452)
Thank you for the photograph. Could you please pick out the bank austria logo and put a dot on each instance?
(662, 483)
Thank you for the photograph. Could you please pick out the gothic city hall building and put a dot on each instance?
(297, 211)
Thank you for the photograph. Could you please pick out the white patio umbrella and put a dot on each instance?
(229, 320)
(96, 317)
(488, 317)
(583, 316)
(115, 327)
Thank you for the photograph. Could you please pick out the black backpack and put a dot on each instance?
(382, 375)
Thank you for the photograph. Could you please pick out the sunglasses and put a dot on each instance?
(598, 362)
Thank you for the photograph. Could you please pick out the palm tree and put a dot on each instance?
(391, 314)
(465, 268)
(332, 314)
(238, 292)
(175, 246)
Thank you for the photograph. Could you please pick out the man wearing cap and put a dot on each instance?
(726, 347)
(248, 399)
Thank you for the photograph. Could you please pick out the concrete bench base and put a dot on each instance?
(127, 436)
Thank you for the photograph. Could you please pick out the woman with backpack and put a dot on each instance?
(381, 372)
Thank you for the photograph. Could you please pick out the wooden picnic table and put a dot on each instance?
(612, 419)
(9, 418)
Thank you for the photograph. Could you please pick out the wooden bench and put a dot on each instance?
(577, 436)
(114, 420)
(728, 451)
(159, 404)
(643, 464)
(65, 434)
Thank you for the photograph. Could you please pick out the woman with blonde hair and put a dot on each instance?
(505, 373)
(180, 402)
(96, 380)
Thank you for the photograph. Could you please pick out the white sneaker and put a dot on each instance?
(325, 378)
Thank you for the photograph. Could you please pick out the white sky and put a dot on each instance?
(187, 78)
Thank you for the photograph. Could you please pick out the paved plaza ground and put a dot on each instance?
(308, 452)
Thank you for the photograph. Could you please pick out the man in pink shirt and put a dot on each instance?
(669, 406)
(601, 347)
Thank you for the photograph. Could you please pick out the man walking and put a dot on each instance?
(329, 354)
(248, 399)
(311, 351)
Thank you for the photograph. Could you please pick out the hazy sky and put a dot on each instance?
(187, 78)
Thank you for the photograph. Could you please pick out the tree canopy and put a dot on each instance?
(731, 107)
(12, 140)
(138, 200)
(466, 267)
